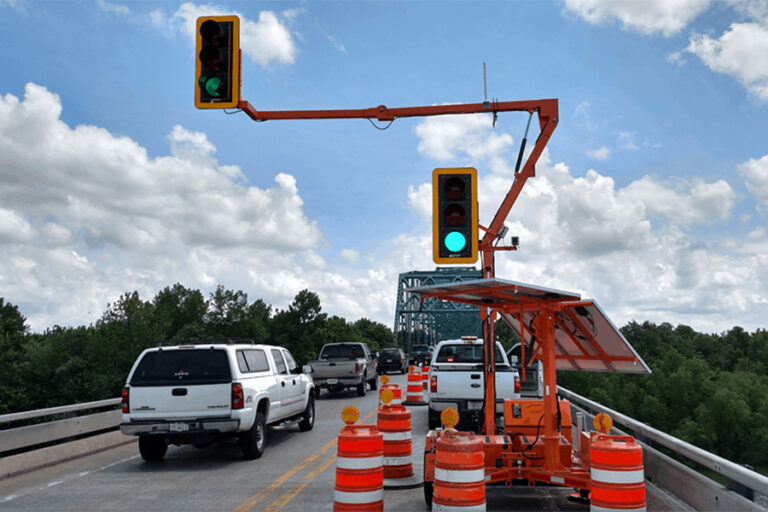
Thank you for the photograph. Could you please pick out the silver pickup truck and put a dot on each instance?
(344, 365)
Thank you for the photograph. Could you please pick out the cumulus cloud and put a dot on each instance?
(741, 52)
(601, 153)
(756, 174)
(265, 41)
(88, 214)
(667, 17)
(628, 247)
(350, 255)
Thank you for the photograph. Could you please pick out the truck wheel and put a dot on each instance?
(152, 449)
(433, 419)
(252, 443)
(308, 418)
(361, 388)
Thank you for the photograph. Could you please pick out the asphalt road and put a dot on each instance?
(296, 473)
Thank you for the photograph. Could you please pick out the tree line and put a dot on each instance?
(66, 365)
(708, 389)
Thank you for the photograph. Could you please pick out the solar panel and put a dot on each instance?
(585, 338)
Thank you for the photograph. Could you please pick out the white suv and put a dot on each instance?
(199, 391)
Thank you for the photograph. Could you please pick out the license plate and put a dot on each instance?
(475, 406)
(179, 427)
(332, 381)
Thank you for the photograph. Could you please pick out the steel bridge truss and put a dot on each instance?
(435, 319)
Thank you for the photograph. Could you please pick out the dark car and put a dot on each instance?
(421, 354)
(393, 360)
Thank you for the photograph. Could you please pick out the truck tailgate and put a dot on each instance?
(466, 381)
(177, 402)
(325, 369)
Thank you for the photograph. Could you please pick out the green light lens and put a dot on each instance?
(455, 241)
(212, 86)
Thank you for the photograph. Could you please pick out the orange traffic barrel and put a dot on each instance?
(414, 391)
(424, 377)
(397, 394)
(359, 470)
(394, 423)
(459, 473)
(618, 478)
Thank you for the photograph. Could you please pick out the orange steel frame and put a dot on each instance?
(554, 469)
(547, 110)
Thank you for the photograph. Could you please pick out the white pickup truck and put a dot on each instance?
(202, 390)
(456, 379)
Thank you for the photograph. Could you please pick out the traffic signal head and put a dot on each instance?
(217, 69)
(454, 215)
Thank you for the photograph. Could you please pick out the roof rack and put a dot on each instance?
(206, 341)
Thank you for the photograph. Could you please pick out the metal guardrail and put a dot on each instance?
(694, 488)
(32, 435)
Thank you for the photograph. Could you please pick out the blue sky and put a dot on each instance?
(651, 198)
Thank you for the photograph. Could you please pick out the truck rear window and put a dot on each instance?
(188, 367)
(465, 354)
(342, 352)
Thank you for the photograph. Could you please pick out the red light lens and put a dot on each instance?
(433, 384)
(124, 402)
(517, 385)
(237, 396)
(357, 367)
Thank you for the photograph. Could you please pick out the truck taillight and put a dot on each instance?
(433, 384)
(357, 367)
(237, 396)
(517, 384)
(124, 401)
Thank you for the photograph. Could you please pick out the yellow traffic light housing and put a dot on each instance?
(454, 215)
(217, 68)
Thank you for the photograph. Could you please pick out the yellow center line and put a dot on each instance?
(288, 496)
(259, 496)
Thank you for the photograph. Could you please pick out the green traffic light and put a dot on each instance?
(455, 241)
(212, 86)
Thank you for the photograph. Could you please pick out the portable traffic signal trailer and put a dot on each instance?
(533, 442)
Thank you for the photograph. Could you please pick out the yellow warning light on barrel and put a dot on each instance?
(385, 379)
(386, 396)
(350, 414)
(602, 422)
(450, 417)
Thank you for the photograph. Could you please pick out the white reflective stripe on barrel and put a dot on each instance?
(359, 462)
(358, 497)
(595, 508)
(459, 476)
(396, 401)
(396, 436)
(618, 477)
(437, 507)
(397, 461)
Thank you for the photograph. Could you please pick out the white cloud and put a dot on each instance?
(601, 153)
(112, 7)
(627, 247)
(756, 174)
(648, 16)
(87, 215)
(741, 52)
(266, 41)
(350, 255)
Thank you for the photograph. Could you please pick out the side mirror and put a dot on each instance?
(307, 368)
(377, 355)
